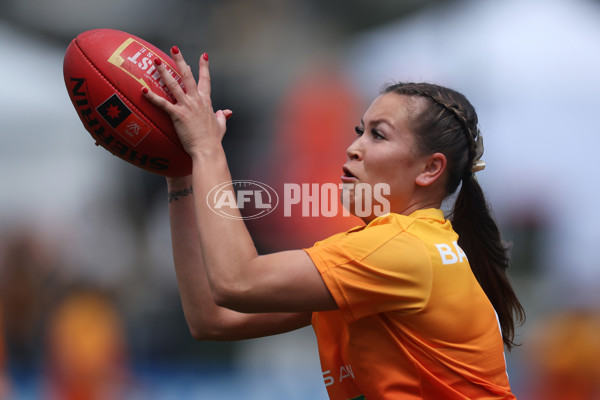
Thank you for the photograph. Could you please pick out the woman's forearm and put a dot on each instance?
(198, 305)
(206, 320)
(227, 247)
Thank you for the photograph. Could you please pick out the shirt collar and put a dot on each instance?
(435, 214)
(429, 213)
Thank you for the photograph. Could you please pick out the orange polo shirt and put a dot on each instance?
(413, 322)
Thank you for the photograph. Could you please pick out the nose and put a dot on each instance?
(354, 151)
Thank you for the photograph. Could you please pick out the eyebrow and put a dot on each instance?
(377, 122)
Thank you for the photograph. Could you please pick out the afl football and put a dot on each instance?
(104, 72)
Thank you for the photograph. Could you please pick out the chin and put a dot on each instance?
(366, 206)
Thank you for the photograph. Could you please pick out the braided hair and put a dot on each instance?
(447, 123)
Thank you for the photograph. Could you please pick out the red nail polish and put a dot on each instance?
(157, 61)
(205, 56)
(228, 116)
(175, 50)
(145, 90)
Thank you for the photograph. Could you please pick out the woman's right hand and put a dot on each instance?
(198, 126)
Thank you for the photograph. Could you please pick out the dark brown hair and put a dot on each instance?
(447, 123)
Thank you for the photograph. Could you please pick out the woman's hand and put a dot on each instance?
(199, 128)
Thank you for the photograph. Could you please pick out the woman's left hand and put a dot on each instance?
(198, 126)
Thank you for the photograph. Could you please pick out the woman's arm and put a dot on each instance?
(237, 276)
(205, 319)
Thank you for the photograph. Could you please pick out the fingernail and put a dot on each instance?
(228, 116)
(145, 90)
(175, 50)
(157, 61)
(205, 56)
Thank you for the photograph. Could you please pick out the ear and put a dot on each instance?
(434, 167)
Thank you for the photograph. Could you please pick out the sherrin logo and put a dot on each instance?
(126, 123)
(254, 199)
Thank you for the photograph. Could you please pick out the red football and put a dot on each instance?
(105, 71)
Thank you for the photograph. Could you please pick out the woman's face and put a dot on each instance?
(385, 152)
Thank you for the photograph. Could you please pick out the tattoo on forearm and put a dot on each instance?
(176, 194)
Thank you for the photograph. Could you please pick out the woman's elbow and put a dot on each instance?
(205, 323)
(215, 330)
(202, 333)
(218, 323)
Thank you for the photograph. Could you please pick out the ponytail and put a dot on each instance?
(480, 239)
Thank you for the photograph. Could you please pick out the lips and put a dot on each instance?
(348, 175)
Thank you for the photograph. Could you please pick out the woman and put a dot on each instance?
(406, 307)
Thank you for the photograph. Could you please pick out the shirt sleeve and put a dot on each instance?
(368, 275)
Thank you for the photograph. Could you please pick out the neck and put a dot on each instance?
(426, 197)
(420, 206)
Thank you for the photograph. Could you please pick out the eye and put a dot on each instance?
(359, 131)
(376, 134)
